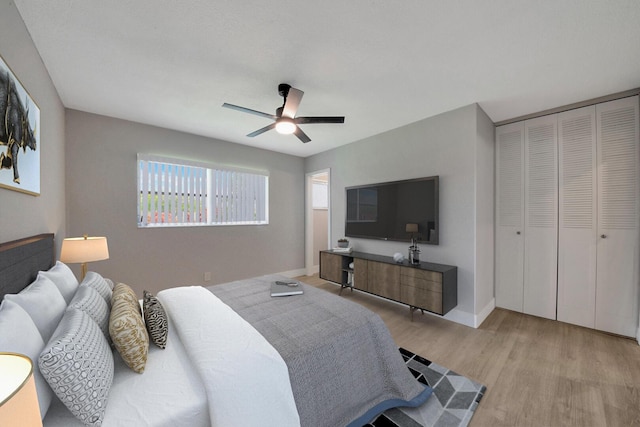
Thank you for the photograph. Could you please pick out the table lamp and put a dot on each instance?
(84, 250)
(18, 398)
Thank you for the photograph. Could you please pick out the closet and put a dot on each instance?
(527, 212)
(567, 241)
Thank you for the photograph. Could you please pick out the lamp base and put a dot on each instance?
(83, 268)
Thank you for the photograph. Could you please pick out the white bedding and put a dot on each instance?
(217, 370)
(168, 394)
(246, 379)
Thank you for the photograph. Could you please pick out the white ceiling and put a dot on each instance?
(382, 64)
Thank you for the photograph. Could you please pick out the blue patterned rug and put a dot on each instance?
(452, 404)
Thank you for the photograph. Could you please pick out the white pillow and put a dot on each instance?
(98, 283)
(78, 365)
(63, 278)
(18, 334)
(44, 304)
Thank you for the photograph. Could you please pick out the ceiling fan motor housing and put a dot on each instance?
(283, 89)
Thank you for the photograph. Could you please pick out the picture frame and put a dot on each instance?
(19, 135)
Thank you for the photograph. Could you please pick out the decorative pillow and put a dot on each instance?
(18, 334)
(155, 319)
(90, 301)
(44, 304)
(127, 330)
(110, 283)
(95, 281)
(78, 365)
(124, 292)
(63, 278)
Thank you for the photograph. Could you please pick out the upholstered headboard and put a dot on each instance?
(20, 261)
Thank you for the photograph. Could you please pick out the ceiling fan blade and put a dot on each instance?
(250, 111)
(310, 120)
(301, 135)
(293, 101)
(263, 130)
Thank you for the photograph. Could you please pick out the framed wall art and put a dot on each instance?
(19, 135)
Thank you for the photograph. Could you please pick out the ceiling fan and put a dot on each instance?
(285, 120)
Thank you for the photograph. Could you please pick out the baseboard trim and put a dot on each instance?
(485, 312)
(294, 273)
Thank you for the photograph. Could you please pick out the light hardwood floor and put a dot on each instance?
(538, 372)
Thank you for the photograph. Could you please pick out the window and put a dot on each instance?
(320, 194)
(174, 192)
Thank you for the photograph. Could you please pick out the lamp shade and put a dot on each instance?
(18, 398)
(84, 249)
(412, 228)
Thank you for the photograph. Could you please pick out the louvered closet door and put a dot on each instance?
(509, 216)
(618, 255)
(577, 216)
(541, 216)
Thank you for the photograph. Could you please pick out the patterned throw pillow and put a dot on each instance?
(95, 281)
(155, 319)
(78, 365)
(127, 330)
(90, 301)
(122, 291)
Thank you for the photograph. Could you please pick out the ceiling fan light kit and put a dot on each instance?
(285, 120)
(285, 126)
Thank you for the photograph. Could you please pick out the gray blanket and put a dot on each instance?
(343, 363)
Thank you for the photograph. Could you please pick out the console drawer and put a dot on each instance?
(432, 276)
(429, 300)
(421, 283)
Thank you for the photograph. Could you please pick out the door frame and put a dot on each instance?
(308, 230)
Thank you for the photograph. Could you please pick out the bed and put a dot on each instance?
(237, 356)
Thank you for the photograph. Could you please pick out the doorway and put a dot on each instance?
(318, 218)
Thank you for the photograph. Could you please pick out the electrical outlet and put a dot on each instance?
(207, 276)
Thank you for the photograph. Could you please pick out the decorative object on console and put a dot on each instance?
(414, 250)
(343, 243)
(398, 257)
(84, 250)
(18, 398)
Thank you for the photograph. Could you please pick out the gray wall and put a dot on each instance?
(22, 215)
(101, 188)
(457, 146)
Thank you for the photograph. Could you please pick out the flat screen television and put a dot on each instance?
(382, 211)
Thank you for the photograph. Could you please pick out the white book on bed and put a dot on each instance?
(278, 290)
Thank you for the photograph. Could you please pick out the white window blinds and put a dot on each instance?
(175, 192)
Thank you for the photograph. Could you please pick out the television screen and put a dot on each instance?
(382, 211)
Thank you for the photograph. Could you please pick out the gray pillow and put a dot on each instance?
(44, 304)
(18, 334)
(78, 365)
(63, 278)
(95, 281)
(155, 319)
(90, 301)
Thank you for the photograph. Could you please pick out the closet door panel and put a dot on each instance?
(618, 255)
(510, 216)
(541, 216)
(577, 216)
